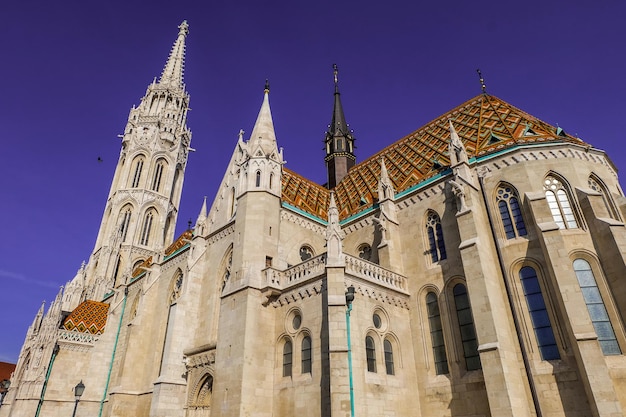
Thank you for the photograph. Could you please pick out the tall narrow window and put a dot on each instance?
(137, 174)
(258, 179)
(287, 358)
(595, 306)
(539, 314)
(559, 202)
(370, 354)
(388, 357)
(606, 199)
(510, 212)
(158, 173)
(125, 223)
(437, 247)
(145, 230)
(271, 180)
(306, 355)
(436, 334)
(466, 326)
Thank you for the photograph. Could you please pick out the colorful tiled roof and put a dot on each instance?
(181, 241)
(88, 317)
(485, 124)
(141, 268)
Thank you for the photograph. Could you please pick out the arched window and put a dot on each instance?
(596, 185)
(158, 174)
(437, 247)
(510, 212)
(177, 287)
(370, 354)
(138, 170)
(306, 355)
(271, 180)
(559, 202)
(145, 229)
(287, 358)
(258, 179)
(539, 314)
(388, 348)
(227, 264)
(597, 309)
(466, 327)
(205, 393)
(125, 223)
(436, 334)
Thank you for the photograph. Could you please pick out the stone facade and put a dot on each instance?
(490, 285)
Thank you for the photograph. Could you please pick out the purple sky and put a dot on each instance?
(71, 71)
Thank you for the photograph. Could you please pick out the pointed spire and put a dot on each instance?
(385, 186)
(172, 75)
(339, 141)
(456, 149)
(263, 132)
(202, 215)
(38, 317)
(338, 125)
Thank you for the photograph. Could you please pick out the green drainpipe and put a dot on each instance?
(117, 338)
(349, 299)
(55, 351)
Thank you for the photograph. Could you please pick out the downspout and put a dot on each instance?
(55, 351)
(529, 376)
(117, 338)
(349, 299)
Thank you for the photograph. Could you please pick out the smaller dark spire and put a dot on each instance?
(482, 81)
(267, 85)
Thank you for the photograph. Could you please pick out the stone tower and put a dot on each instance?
(339, 142)
(140, 214)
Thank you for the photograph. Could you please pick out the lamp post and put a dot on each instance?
(78, 392)
(349, 300)
(4, 389)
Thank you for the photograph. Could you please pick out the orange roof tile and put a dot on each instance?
(89, 317)
(485, 124)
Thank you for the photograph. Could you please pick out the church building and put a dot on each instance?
(474, 267)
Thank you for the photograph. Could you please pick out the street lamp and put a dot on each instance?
(349, 300)
(4, 389)
(78, 392)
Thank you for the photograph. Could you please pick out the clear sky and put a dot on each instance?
(71, 71)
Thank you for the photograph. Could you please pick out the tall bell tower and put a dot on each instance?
(140, 214)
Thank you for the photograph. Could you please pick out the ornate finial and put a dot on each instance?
(267, 85)
(482, 81)
(184, 28)
(189, 224)
(335, 71)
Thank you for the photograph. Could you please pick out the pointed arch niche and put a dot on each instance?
(597, 185)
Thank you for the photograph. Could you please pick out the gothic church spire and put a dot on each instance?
(263, 134)
(339, 141)
(172, 75)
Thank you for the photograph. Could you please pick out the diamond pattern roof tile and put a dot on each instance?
(485, 124)
(89, 317)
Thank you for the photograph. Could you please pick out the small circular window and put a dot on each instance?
(297, 321)
(365, 251)
(377, 320)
